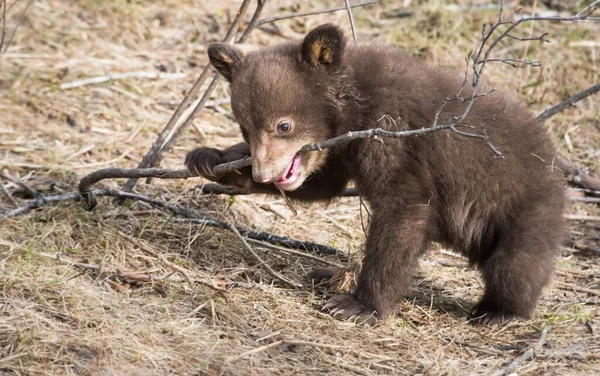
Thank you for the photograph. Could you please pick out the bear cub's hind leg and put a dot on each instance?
(521, 265)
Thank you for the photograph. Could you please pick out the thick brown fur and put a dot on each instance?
(504, 214)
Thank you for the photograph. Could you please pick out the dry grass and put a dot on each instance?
(60, 319)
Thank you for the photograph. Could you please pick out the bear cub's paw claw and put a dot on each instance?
(490, 314)
(202, 162)
(346, 307)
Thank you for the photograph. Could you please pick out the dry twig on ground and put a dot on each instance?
(577, 176)
(528, 355)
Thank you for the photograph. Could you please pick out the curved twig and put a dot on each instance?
(111, 173)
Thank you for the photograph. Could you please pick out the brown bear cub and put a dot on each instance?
(504, 214)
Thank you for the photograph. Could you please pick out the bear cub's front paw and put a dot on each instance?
(202, 162)
(346, 307)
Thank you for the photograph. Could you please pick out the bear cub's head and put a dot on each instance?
(285, 97)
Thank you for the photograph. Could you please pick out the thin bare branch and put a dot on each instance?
(219, 189)
(587, 11)
(541, 38)
(528, 355)
(4, 5)
(282, 241)
(90, 200)
(311, 13)
(9, 196)
(297, 253)
(568, 102)
(19, 22)
(576, 175)
(516, 63)
(590, 218)
(351, 17)
(33, 192)
(589, 200)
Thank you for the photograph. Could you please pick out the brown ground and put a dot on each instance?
(57, 319)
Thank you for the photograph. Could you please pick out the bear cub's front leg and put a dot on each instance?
(395, 241)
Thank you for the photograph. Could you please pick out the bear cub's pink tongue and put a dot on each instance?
(291, 173)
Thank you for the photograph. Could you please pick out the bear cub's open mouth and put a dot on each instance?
(291, 173)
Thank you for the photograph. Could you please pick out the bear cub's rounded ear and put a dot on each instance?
(324, 46)
(225, 57)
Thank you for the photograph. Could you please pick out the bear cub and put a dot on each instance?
(504, 214)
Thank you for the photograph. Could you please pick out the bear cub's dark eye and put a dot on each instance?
(284, 127)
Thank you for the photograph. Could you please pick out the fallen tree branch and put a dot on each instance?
(34, 193)
(9, 196)
(584, 218)
(189, 216)
(577, 176)
(589, 200)
(569, 287)
(297, 253)
(220, 189)
(112, 173)
(283, 241)
(528, 355)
